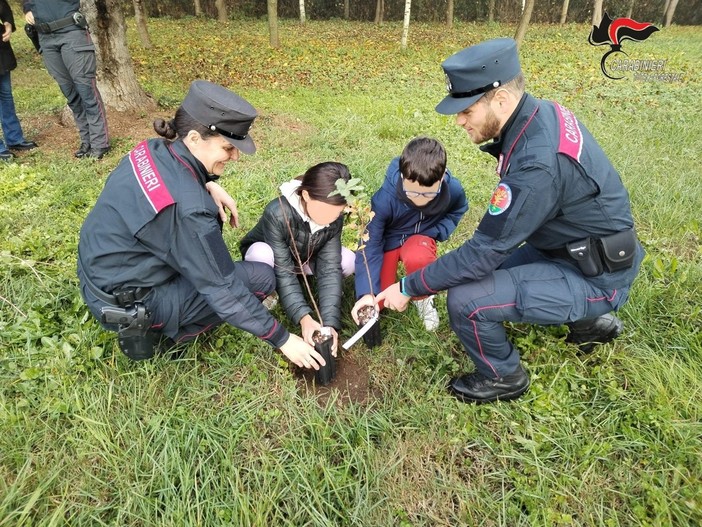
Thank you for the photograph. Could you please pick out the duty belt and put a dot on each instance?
(560, 252)
(50, 27)
(594, 256)
(135, 294)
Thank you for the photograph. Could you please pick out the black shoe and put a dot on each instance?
(98, 153)
(24, 145)
(6, 156)
(589, 333)
(477, 388)
(82, 151)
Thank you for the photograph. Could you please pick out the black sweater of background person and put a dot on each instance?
(7, 56)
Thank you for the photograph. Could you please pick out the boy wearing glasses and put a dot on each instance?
(420, 203)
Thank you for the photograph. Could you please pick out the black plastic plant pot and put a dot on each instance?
(326, 373)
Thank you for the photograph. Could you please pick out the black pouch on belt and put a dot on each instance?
(586, 253)
(618, 250)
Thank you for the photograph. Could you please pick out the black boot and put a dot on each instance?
(587, 334)
(477, 388)
(98, 153)
(24, 145)
(82, 150)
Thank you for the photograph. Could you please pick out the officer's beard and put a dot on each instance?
(489, 130)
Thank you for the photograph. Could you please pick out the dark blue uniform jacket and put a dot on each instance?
(46, 11)
(155, 221)
(556, 186)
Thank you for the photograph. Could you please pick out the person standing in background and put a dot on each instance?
(69, 56)
(11, 128)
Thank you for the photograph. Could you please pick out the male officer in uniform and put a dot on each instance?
(151, 257)
(557, 243)
(69, 56)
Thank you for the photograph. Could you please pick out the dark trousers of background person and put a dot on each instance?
(70, 59)
(11, 128)
(528, 287)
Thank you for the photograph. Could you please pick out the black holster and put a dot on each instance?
(33, 35)
(134, 323)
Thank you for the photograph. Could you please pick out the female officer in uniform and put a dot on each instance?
(151, 257)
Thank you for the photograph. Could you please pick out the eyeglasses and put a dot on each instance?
(415, 194)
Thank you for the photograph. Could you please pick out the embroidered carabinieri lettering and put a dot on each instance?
(570, 137)
(149, 178)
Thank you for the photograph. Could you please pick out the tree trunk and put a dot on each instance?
(379, 11)
(564, 11)
(630, 11)
(524, 22)
(491, 11)
(221, 6)
(117, 82)
(302, 11)
(346, 9)
(142, 29)
(597, 13)
(198, 8)
(665, 9)
(449, 13)
(405, 23)
(670, 12)
(273, 22)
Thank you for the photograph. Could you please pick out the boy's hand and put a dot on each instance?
(365, 300)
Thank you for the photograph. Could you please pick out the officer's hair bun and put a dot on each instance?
(165, 128)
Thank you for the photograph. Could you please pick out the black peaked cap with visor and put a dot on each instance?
(475, 70)
(222, 111)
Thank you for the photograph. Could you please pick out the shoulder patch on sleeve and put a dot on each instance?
(501, 199)
(499, 210)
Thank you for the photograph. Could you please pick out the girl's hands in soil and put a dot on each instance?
(335, 336)
(308, 325)
(301, 354)
(365, 300)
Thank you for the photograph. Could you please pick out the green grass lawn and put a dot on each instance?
(229, 435)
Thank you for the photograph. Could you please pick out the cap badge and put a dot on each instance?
(449, 86)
